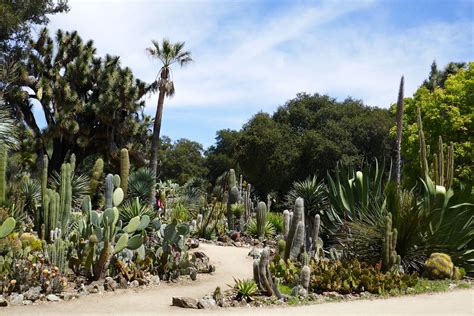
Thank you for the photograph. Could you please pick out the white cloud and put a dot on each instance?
(248, 58)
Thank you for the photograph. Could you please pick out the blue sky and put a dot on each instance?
(255, 55)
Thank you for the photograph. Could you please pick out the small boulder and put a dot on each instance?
(134, 284)
(16, 299)
(110, 284)
(3, 301)
(52, 298)
(185, 302)
(33, 293)
(207, 303)
(155, 279)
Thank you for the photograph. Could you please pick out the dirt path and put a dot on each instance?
(230, 262)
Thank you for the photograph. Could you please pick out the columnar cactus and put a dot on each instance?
(390, 257)
(96, 176)
(233, 197)
(442, 170)
(264, 273)
(286, 223)
(3, 172)
(305, 273)
(124, 170)
(109, 190)
(57, 253)
(44, 177)
(261, 219)
(295, 237)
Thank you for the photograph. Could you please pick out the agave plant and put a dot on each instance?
(426, 221)
(134, 208)
(351, 192)
(245, 289)
(268, 230)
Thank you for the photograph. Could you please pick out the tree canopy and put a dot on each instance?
(446, 111)
(91, 105)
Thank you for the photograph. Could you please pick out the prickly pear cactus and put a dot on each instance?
(7, 227)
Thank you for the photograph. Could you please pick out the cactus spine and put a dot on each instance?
(295, 237)
(124, 170)
(3, 172)
(261, 219)
(390, 256)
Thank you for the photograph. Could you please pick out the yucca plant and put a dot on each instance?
(140, 183)
(245, 289)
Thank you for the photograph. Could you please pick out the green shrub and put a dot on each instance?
(276, 219)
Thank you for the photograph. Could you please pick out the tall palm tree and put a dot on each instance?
(168, 53)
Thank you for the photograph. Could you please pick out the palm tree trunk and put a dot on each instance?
(156, 141)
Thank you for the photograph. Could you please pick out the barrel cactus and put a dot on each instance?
(439, 266)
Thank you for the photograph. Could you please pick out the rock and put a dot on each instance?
(207, 303)
(155, 279)
(193, 274)
(235, 236)
(193, 243)
(333, 294)
(3, 301)
(110, 284)
(67, 296)
(134, 284)
(83, 290)
(16, 299)
(97, 288)
(27, 302)
(33, 293)
(185, 302)
(236, 244)
(52, 298)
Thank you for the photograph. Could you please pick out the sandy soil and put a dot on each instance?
(234, 262)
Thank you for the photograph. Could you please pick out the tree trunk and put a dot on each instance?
(156, 141)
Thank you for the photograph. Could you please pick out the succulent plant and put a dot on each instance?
(96, 176)
(439, 266)
(390, 258)
(3, 172)
(124, 170)
(7, 227)
(295, 237)
(261, 219)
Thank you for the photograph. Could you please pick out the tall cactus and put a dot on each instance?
(261, 219)
(3, 173)
(44, 177)
(264, 276)
(109, 190)
(305, 273)
(233, 197)
(96, 176)
(295, 237)
(442, 170)
(124, 170)
(286, 223)
(390, 256)
(57, 253)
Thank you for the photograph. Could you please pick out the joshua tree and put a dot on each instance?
(398, 165)
(168, 53)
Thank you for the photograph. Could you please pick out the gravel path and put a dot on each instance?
(230, 262)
